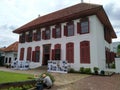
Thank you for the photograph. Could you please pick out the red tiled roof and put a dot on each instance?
(12, 47)
(73, 12)
(2, 49)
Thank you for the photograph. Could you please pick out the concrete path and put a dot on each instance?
(77, 81)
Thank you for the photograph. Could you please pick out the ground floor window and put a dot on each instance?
(36, 54)
(85, 52)
(70, 52)
(21, 53)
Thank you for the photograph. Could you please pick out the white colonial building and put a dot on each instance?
(80, 34)
(10, 53)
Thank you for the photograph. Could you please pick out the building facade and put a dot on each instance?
(80, 34)
(11, 53)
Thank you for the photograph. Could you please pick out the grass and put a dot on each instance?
(13, 77)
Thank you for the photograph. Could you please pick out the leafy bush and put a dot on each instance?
(71, 70)
(96, 70)
(102, 72)
(25, 87)
(81, 70)
(87, 70)
(48, 74)
(113, 66)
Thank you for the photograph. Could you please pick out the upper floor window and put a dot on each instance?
(38, 35)
(70, 52)
(30, 36)
(56, 33)
(69, 29)
(83, 26)
(47, 34)
(22, 38)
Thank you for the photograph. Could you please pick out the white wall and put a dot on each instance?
(11, 55)
(96, 38)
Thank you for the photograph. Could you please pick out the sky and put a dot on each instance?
(15, 13)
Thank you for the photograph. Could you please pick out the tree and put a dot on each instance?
(118, 50)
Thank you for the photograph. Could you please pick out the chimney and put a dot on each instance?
(38, 15)
(81, 1)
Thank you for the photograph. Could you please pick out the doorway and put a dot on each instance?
(46, 54)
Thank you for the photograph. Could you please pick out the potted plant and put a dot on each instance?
(96, 70)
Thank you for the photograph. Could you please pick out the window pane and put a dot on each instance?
(47, 34)
(70, 30)
(37, 53)
(23, 38)
(84, 27)
(30, 37)
(57, 54)
(38, 35)
(58, 32)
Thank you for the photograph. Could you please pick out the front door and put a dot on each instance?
(46, 54)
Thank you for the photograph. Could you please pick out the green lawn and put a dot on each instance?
(12, 77)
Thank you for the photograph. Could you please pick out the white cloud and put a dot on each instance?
(19, 12)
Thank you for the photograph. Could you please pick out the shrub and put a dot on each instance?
(71, 70)
(113, 66)
(51, 76)
(87, 70)
(102, 72)
(96, 70)
(81, 70)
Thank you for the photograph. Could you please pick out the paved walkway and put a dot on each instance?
(78, 81)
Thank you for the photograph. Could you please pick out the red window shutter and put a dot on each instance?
(29, 50)
(65, 31)
(87, 50)
(84, 52)
(22, 54)
(53, 32)
(43, 34)
(35, 37)
(58, 46)
(67, 53)
(70, 52)
(33, 56)
(53, 54)
(26, 38)
(78, 27)
(81, 54)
